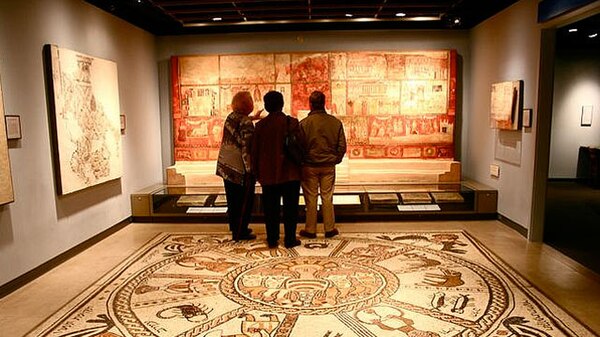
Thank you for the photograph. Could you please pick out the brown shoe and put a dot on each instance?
(307, 234)
(332, 233)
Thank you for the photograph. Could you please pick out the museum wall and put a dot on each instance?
(307, 42)
(576, 84)
(39, 224)
(504, 48)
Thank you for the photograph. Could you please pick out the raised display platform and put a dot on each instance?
(352, 202)
(355, 171)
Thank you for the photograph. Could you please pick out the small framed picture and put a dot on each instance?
(13, 126)
(527, 118)
(123, 123)
(587, 112)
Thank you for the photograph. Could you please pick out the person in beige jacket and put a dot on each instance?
(324, 144)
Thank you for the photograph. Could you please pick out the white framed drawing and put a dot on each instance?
(587, 114)
(85, 125)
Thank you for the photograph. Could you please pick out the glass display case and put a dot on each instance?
(359, 202)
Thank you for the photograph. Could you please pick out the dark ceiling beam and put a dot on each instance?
(234, 9)
(209, 2)
(169, 17)
(344, 9)
(287, 18)
(241, 3)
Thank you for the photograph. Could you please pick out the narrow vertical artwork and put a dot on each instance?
(6, 187)
(506, 105)
(86, 122)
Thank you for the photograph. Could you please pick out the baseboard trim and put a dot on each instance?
(31, 275)
(508, 222)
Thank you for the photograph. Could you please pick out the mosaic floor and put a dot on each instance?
(415, 284)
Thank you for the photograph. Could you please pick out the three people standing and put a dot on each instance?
(248, 153)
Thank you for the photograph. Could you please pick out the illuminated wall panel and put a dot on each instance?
(392, 104)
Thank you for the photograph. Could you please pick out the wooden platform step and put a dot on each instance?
(349, 171)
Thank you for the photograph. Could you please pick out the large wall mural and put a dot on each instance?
(392, 104)
(86, 122)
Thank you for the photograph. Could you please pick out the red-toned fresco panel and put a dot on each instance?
(392, 104)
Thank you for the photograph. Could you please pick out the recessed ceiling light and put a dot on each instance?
(572, 30)
(217, 19)
(400, 14)
(348, 15)
(423, 18)
(456, 21)
(593, 35)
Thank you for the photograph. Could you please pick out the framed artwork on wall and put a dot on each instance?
(6, 186)
(527, 116)
(85, 119)
(123, 122)
(13, 127)
(506, 105)
(587, 113)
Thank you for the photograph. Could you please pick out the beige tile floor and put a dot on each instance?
(572, 286)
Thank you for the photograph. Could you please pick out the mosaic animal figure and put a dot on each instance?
(392, 319)
(421, 261)
(449, 243)
(206, 263)
(105, 324)
(192, 313)
(516, 325)
(252, 327)
(447, 279)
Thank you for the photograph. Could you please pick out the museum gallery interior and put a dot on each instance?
(468, 200)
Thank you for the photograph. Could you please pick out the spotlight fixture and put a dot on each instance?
(423, 18)
(572, 30)
(451, 20)
(591, 36)
(400, 14)
(217, 19)
(348, 15)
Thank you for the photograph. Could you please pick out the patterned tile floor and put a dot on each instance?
(570, 285)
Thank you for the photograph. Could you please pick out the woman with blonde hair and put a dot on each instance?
(234, 166)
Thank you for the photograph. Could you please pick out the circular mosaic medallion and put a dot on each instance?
(309, 285)
(403, 283)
